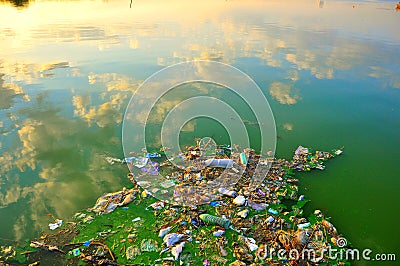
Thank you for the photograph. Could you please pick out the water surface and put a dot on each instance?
(68, 70)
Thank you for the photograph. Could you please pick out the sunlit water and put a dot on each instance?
(330, 70)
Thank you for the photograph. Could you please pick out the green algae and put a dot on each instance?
(112, 235)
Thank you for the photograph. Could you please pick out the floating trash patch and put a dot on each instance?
(239, 227)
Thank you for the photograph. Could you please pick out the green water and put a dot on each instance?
(69, 68)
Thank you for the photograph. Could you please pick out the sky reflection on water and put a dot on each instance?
(69, 68)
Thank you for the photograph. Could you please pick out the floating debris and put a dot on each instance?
(153, 155)
(214, 204)
(221, 261)
(224, 163)
(215, 220)
(79, 215)
(219, 233)
(171, 239)
(329, 227)
(243, 213)
(149, 245)
(206, 263)
(237, 263)
(132, 252)
(241, 252)
(176, 250)
(257, 206)
(226, 192)
(239, 200)
(112, 160)
(164, 231)
(87, 243)
(250, 242)
(272, 211)
(36, 244)
(235, 219)
(303, 225)
(138, 162)
(7, 252)
(110, 201)
(243, 159)
(88, 219)
(221, 243)
(158, 205)
(270, 219)
(57, 224)
(318, 213)
(76, 252)
(137, 219)
(338, 152)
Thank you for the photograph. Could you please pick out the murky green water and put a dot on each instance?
(330, 71)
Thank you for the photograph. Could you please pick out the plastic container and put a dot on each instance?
(224, 163)
(243, 159)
